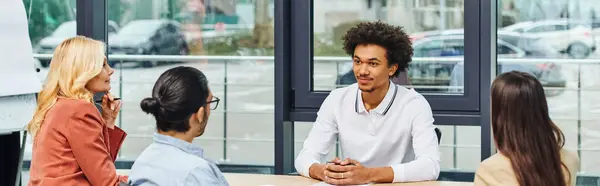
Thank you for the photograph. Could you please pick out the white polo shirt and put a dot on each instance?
(399, 133)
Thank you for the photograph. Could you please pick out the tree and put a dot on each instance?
(116, 10)
(46, 16)
(263, 36)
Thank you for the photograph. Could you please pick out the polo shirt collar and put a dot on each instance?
(383, 107)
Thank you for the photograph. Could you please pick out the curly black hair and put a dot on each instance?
(392, 38)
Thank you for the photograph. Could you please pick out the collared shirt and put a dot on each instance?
(399, 133)
(171, 161)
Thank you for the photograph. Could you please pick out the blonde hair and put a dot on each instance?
(75, 61)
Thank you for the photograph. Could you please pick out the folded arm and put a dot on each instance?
(309, 162)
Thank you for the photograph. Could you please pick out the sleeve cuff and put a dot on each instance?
(398, 173)
(306, 168)
(116, 138)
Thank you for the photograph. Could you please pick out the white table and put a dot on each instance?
(281, 180)
(237, 179)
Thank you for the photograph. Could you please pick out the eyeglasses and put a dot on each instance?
(214, 103)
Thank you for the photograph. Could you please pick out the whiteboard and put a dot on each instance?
(16, 112)
(18, 79)
(17, 71)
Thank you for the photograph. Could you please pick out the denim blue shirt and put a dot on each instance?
(171, 161)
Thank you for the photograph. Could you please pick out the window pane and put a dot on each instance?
(562, 54)
(435, 28)
(226, 31)
(460, 148)
(50, 22)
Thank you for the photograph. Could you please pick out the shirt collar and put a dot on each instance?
(180, 144)
(385, 104)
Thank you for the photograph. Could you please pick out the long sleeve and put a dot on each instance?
(116, 138)
(426, 165)
(319, 140)
(205, 176)
(89, 147)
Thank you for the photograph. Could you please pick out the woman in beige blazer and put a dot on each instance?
(530, 145)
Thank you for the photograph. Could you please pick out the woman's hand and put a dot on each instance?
(110, 109)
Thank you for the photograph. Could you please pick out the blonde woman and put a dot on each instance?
(73, 143)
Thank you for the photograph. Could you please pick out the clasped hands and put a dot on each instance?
(346, 172)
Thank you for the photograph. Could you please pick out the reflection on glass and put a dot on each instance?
(50, 22)
(149, 37)
(432, 24)
(140, 28)
(67, 29)
(225, 30)
(557, 42)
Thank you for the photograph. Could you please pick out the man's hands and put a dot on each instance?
(350, 172)
(346, 172)
(110, 109)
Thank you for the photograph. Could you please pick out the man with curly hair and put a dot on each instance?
(385, 131)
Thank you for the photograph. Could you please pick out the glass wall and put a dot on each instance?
(185, 32)
(557, 42)
(423, 20)
(219, 37)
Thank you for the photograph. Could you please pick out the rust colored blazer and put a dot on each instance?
(75, 147)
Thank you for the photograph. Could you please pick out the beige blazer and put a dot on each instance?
(497, 170)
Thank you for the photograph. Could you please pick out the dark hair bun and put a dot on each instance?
(150, 105)
(177, 94)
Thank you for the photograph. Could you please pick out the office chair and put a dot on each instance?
(438, 133)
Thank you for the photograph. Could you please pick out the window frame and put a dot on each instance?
(92, 22)
(305, 97)
(295, 100)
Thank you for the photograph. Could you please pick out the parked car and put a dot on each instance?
(571, 37)
(149, 37)
(62, 32)
(595, 24)
(446, 74)
(526, 42)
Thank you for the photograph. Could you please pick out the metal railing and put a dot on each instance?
(225, 60)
